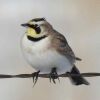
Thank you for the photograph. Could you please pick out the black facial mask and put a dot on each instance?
(37, 29)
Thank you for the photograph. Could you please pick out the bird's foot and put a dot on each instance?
(35, 77)
(53, 75)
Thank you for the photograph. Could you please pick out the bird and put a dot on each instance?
(48, 52)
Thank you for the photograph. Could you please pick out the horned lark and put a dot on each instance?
(47, 51)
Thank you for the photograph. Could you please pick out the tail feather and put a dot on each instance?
(79, 59)
(77, 80)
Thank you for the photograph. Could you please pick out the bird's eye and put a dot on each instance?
(36, 25)
(37, 29)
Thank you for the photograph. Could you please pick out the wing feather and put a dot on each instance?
(60, 43)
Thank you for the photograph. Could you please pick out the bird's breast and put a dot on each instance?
(35, 47)
(43, 58)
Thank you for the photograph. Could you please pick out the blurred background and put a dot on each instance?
(78, 20)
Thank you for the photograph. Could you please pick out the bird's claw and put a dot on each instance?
(35, 77)
(54, 75)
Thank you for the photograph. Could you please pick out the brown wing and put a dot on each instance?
(61, 45)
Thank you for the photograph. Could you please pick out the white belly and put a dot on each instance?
(45, 60)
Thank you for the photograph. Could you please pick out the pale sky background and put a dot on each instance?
(78, 20)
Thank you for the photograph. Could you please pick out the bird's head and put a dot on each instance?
(37, 27)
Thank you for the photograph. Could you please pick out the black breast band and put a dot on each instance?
(36, 39)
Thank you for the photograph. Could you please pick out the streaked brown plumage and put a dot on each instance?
(51, 52)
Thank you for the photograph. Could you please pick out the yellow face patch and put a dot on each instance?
(31, 32)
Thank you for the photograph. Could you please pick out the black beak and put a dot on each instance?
(24, 25)
(28, 25)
